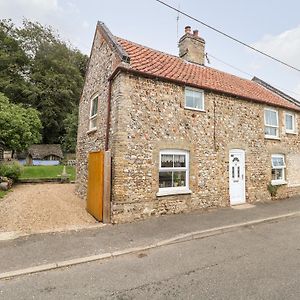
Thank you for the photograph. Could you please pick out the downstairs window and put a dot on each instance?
(278, 169)
(173, 172)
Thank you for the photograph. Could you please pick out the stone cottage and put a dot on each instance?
(182, 136)
(42, 154)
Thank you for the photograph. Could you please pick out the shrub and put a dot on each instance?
(273, 189)
(11, 170)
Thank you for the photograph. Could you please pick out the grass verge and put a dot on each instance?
(41, 172)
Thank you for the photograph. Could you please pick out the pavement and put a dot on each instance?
(40, 252)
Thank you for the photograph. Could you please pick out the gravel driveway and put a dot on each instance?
(31, 208)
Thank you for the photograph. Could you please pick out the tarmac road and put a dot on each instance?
(258, 262)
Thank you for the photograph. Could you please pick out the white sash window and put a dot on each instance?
(271, 123)
(173, 172)
(278, 169)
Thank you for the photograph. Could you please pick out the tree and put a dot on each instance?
(69, 140)
(19, 127)
(58, 83)
(14, 66)
(42, 71)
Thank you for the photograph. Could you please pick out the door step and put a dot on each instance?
(243, 206)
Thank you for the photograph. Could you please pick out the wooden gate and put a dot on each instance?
(95, 184)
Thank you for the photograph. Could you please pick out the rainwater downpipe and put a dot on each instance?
(108, 113)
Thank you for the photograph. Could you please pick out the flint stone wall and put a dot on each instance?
(102, 63)
(154, 118)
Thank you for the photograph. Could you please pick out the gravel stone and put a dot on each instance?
(32, 208)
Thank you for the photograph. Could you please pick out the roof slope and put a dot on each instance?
(166, 66)
(40, 151)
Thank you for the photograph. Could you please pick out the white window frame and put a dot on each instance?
(93, 117)
(273, 126)
(283, 180)
(194, 90)
(293, 130)
(175, 190)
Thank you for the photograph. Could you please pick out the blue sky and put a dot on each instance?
(272, 26)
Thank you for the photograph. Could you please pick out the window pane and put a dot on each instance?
(165, 179)
(198, 103)
(94, 106)
(166, 161)
(271, 117)
(189, 93)
(189, 101)
(289, 122)
(277, 162)
(179, 178)
(277, 174)
(179, 161)
(270, 131)
(93, 123)
(194, 99)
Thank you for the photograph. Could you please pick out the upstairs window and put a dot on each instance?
(93, 113)
(271, 123)
(278, 169)
(173, 171)
(290, 123)
(194, 99)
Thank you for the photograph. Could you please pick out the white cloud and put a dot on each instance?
(297, 91)
(37, 10)
(85, 24)
(284, 46)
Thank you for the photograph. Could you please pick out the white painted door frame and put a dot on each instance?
(237, 187)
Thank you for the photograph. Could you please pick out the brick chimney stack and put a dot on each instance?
(192, 46)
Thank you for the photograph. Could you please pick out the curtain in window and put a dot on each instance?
(289, 122)
(277, 161)
(271, 117)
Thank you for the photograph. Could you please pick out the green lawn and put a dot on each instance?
(36, 172)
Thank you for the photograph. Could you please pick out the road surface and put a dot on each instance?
(260, 262)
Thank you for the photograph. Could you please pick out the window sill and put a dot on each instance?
(194, 109)
(91, 130)
(270, 137)
(278, 182)
(174, 192)
(291, 132)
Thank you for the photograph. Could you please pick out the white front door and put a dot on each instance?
(237, 176)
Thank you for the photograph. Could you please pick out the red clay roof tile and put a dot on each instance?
(170, 67)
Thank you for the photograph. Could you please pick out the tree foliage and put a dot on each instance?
(14, 65)
(19, 127)
(43, 71)
(70, 138)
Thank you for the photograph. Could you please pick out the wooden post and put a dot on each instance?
(107, 188)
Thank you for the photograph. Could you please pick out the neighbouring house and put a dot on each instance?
(182, 136)
(8, 155)
(42, 154)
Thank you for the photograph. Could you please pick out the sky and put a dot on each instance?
(271, 26)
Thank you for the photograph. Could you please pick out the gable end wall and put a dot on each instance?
(103, 61)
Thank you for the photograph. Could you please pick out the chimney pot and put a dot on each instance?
(187, 29)
(196, 33)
